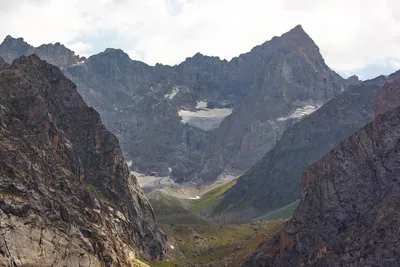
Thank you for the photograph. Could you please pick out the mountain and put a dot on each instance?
(56, 54)
(349, 209)
(275, 180)
(205, 116)
(293, 81)
(66, 194)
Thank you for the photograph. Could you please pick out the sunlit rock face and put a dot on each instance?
(67, 197)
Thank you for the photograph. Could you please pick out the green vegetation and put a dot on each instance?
(198, 242)
(211, 199)
(281, 213)
(171, 210)
(217, 245)
(240, 205)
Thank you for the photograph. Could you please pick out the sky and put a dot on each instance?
(359, 37)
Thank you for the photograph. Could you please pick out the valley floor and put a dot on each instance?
(208, 244)
(194, 240)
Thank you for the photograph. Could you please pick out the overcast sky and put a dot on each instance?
(354, 36)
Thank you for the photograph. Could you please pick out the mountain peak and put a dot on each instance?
(298, 29)
(114, 50)
(9, 38)
(11, 48)
(297, 33)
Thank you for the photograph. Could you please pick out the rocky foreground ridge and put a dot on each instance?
(275, 180)
(67, 197)
(349, 208)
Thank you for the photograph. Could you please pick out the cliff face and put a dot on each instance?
(173, 121)
(389, 98)
(293, 81)
(275, 180)
(349, 209)
(66, 193)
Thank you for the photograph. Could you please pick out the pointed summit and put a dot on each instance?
(11, 39)
(11, 48)
(8, 37)
(298, 29)
(297, 33)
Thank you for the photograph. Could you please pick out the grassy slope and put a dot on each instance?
(227, 245)
(281, 213)
(209, 200)
(199, 242)
(170, 210)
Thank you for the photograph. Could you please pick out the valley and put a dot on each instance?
(268, 159)
(197, 240)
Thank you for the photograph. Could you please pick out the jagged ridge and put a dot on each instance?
(66, 193)
(349, 209)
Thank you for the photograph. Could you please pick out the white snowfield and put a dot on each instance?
(204, 118)
(78, 63)
(300, 112)
(152, 181)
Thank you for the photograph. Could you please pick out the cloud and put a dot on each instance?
(352, 35)
(81, 48)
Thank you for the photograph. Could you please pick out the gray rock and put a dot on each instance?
(275, 180)
(349, 209)
(66, 193)
(140, 103)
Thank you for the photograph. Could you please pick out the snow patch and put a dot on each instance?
(172, 247)
(196, 197)
(152, 181)
(78, 63)
(205, 119)
(201, 105)
(300, 112)
(129, 163)
(174, 92)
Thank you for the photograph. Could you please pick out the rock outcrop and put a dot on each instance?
(55, 54)
(389, 98)
(275, 180)
(67, 197)
(173, 121)
(349, 208)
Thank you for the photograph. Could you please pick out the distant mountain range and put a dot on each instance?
(204, 117)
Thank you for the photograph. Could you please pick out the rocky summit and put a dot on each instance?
(274, 181)
(349, 208)
(205, 116)
(67, 197)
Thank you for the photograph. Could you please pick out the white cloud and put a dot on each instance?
(81, 48)
(351, 34)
